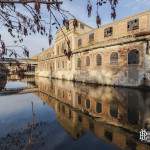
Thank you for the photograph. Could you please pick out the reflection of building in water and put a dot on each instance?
(115, 54)
(3, 71)
(29, 80)
(103, 110)
(3, 83)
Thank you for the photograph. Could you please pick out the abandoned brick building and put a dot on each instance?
(114, 54)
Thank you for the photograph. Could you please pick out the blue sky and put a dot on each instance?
(78, 9)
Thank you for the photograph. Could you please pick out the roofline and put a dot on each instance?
(117, 21)
(126, 18)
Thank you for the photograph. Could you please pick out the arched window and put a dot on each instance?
(133, 57)
(87, 103)
(78, 62)
(114, 58)
(98, 60)
(87, 61)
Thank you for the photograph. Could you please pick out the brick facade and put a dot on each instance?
(123, 50)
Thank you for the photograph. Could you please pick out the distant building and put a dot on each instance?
(115, 54)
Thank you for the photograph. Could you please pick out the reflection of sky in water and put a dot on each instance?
(15, 84)
(16, 111)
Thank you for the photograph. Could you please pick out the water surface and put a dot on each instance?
(64, 115)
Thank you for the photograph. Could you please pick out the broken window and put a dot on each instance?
(133, 25)
(108, 32)
(114, 58)
(133, 57)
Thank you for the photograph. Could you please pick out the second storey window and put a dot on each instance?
(81, 26)
(133, 25)
(79, 42)
(108, 32)
(91, 37)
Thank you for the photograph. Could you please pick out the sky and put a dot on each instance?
(36, 43)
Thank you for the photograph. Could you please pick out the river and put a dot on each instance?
(63, 115)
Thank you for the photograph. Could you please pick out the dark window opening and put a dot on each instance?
(108, 32)
(108, 135)
(98, 60)
(63, 109)
(91, 37)
(87, 104)
(113, 109)
(98, 107)
(133, 57)
(81, 26)
(78, 62)
(91, 125)
(79, 99)
(79, 42)
(80, 118)
(133, 25)
(70, 114)
(87, 61)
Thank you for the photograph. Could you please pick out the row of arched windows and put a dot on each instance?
(113, 106)
(133, 58)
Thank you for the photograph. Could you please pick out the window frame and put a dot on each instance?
(132, 56)
(114, 62)
(107, 30)
(97, 64)
(91, 37)
(78, 60)
(79, 43)
(88, 61)
(82, 26)
(134, 26)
